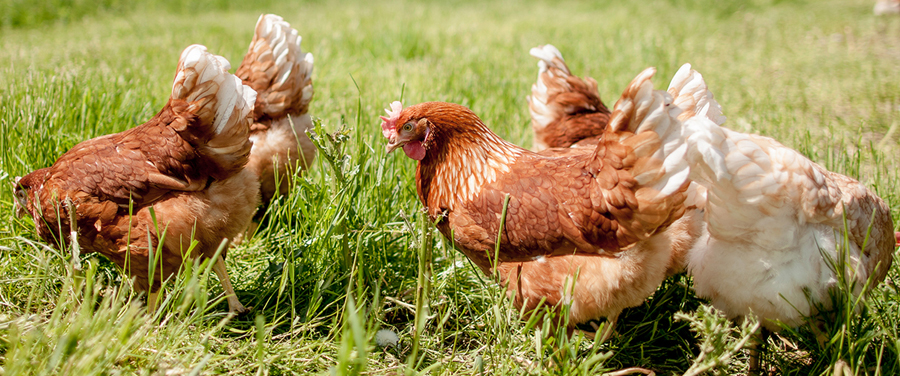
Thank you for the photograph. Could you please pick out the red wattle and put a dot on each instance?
(414, 150)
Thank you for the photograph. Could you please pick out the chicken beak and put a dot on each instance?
(18, 207)
(20, 211)
(393, 143)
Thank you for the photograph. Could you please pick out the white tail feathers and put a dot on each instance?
(663, 113)
(221, 105)
(693, 97)
(549, 57)
(203, 80)
(279, 68)
(565, 109)
(702, 117)
(641, 108)
(657, 141)
(538, 104)
(554, 79)
(705, 139)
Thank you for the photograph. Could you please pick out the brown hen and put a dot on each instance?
(281, 73)
(595, 229)
(186, 164)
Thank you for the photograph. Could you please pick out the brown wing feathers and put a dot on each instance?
(639, 185)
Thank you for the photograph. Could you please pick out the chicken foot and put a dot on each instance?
(610, 328)
(234, 305)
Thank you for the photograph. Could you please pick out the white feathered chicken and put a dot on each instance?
(773, 219)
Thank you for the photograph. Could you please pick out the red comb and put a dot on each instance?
(389, 123)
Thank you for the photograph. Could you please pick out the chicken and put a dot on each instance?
(774, 218)
(177, 179)
(281, 74)
(596, 229)
(565, 110)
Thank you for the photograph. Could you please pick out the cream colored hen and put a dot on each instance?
(774, 218)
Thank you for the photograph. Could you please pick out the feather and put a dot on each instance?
(565, 110)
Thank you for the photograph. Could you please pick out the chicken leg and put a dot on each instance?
(234, 305)
(610, 328)
(760, 339)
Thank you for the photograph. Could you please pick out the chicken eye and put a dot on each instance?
(407, 127)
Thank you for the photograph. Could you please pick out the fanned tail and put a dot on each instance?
(214, 107)
(277, 68)
(551, 81)
(642, 150)
(646, 121)
(693, 97)
(558, 99)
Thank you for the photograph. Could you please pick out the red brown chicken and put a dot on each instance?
(598, 230)
(186, 164)
(281, 73)
(565, 110)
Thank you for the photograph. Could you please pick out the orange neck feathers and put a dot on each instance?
(461, 154)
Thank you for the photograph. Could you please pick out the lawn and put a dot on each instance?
(348, 252)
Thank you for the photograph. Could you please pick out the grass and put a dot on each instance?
(340, 256)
